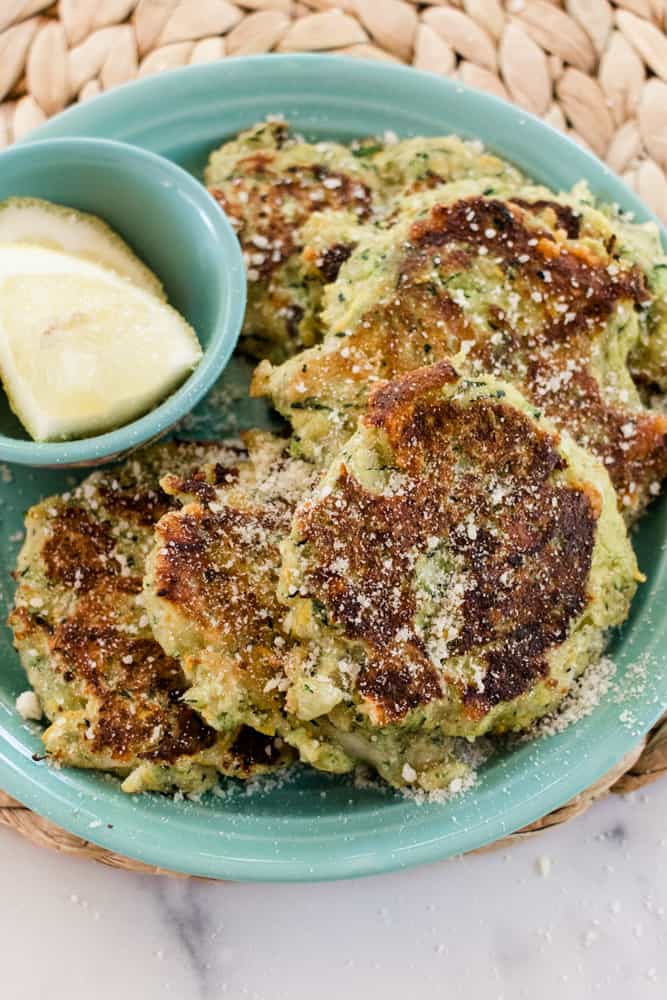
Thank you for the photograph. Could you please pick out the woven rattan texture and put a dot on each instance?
(595, 69)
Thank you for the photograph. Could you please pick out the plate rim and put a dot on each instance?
(52, 794)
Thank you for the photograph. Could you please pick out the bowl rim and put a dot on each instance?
(198, 847)
(113, 444)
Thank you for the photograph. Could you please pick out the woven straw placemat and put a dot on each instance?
(595, 69)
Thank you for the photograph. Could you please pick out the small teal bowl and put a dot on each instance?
(177, 229)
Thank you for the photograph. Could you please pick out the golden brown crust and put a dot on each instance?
(564, 216)
(526, 553)
(219, 570)
(552, 363)
(193, 567)
(139, 690)
(212, 582)
(390, 401)
(563, 296)
(265, 230)
(77, 551)
(143, 506)
(90, 547)
(577, 278)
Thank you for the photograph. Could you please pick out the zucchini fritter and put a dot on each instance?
(455, 569)
(113, 697)
(269, 184)
(520, 290)
(211, 580)
(468, 363)
(211, 593)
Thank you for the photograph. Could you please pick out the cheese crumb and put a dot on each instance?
(28, 706)
(408, 773)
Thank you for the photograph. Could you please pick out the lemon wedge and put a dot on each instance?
(33, 220)
(83, 350)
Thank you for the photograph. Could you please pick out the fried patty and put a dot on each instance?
(457, 566)
(113, 697)
(520, 292)
(269, 184)
(211, 592)
(211, 580)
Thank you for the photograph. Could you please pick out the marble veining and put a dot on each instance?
(578, 913)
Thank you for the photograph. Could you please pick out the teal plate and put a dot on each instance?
(311, 826)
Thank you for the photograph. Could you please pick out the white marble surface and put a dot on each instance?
(492, 926)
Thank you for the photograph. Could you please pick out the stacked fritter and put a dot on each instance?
(115, 700)
(269, 185)
(531, 292)
(436, 547)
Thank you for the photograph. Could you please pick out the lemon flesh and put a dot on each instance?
(33, 220)
(83, 350)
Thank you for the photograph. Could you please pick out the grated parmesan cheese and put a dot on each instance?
(28, 706)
